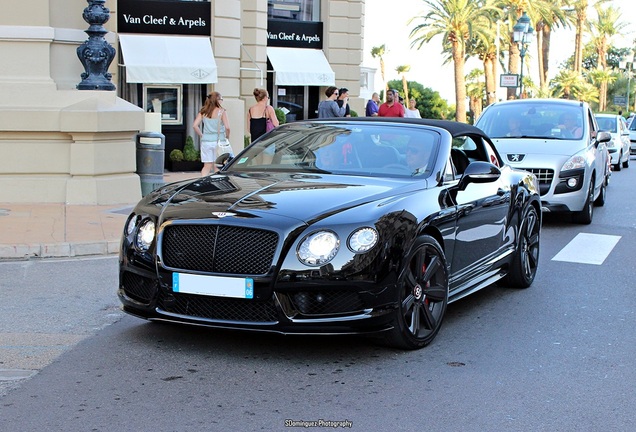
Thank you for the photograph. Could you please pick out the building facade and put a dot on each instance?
(61, 144)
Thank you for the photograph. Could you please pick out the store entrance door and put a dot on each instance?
(299, 102)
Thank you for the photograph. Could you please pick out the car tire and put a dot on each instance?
(585, 215)
(618, 166)
(525, 262)
(423, 296)
(626, 162)
(600, 200)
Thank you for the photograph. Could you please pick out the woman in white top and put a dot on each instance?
(216, 127)
(411, 111)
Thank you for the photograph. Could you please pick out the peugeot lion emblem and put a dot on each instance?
(516, 157)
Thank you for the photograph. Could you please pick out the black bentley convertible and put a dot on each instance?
(354, 225)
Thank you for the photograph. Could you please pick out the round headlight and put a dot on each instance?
(132, 223)
(145, 235)
(318, 248)
(572, 182)
(363, 239)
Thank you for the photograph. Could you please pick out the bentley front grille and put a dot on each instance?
(218, 248)
(224, 309)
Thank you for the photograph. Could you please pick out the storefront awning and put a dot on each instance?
(168, 59)
(301, 67)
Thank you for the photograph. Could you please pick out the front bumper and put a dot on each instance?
(309, 309)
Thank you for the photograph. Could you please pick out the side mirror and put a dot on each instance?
(603, 136)
(223, 159)
(479, 172)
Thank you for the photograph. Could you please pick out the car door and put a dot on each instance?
(482, 221)
(599, 153)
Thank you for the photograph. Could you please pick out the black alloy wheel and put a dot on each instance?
(423, 296)
(524, 265)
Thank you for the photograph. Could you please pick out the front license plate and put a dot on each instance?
(220, 286)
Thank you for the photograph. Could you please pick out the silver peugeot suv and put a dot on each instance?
(558, 141)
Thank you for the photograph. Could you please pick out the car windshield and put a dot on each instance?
(356, 148)
(532, 120)
(632, 125)
(607, 123)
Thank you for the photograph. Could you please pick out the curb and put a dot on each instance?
(58, 250)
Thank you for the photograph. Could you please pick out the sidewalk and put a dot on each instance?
(60, 230)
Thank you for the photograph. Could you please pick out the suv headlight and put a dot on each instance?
(575, 162)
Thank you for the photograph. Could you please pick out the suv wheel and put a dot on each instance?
(585, 215)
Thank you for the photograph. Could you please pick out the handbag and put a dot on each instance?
(222, 146)
(268, 124)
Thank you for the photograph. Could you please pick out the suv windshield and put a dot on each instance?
(532, 120)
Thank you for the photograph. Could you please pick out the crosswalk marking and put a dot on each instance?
(588, 249)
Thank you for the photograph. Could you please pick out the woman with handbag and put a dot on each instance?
(261, 117)
(215, 131)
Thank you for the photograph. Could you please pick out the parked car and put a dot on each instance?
(632, 137)
(560, 142)
(618, 146)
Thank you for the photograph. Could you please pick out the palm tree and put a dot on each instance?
(486, 51)
(456, 21)
(567, 84)
(402, 70)
(579, 7)
(547, 16)
(475, 90)
(601, 78)
(379, 52)
(536, 10)
(603, 29)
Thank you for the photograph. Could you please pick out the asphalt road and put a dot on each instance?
(559, 356)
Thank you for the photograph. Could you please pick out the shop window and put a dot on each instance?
(165, 99)
(296, 10)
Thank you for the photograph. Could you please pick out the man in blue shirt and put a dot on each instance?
(372, 106)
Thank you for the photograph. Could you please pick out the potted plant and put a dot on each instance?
(187, 160)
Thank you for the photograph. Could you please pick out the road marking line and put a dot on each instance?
(588, 249)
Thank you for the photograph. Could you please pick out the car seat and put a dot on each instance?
(460, 160)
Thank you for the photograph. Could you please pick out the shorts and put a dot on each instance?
(208, 151)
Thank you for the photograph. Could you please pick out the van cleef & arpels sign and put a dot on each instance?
(164, 17)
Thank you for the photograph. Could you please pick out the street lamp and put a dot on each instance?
(627, 63)
(522, 34)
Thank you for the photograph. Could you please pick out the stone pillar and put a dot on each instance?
(226, 43)
(59, 144)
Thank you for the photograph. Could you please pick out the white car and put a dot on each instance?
(619, 146)
(559, 141)
(632, 137)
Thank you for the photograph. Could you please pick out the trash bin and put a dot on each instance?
(150, 157)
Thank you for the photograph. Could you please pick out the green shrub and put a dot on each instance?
(353, 113)
(246, 140)
(190, 154)
(176, 155)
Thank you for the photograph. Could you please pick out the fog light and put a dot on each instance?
(572, 183)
